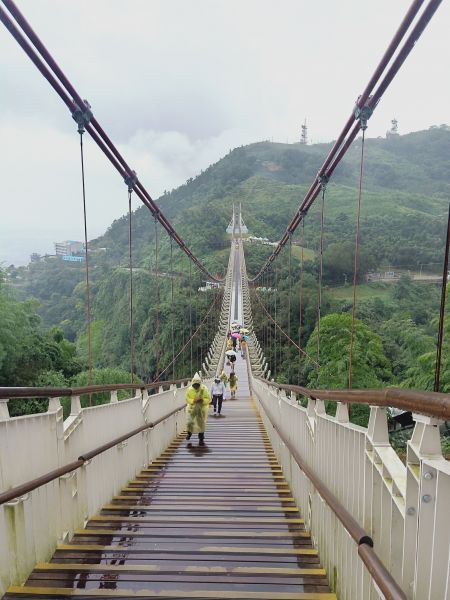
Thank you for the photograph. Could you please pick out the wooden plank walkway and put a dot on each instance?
(206, 522)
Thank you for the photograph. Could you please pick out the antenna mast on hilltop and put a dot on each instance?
(304, 135)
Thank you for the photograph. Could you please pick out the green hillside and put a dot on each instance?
(405, 200)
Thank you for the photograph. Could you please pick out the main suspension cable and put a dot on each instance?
(342, 143)
(60, 83)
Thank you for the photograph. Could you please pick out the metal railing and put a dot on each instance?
(432, 404)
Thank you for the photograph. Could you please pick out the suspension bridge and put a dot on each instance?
(284, 502)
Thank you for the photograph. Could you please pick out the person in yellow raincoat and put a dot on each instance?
(224, 378)
(198, 400)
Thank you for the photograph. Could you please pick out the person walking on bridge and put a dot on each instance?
(218, 393)
(233, 385)
(198, 401)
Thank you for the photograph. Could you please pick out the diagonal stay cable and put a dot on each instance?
(284, 333)
(74, 101)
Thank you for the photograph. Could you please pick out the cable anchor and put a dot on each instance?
(323, 180)
(363, 113)
(82, 115)
(131, 180)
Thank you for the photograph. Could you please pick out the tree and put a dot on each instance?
(370, 365)
(421, 374)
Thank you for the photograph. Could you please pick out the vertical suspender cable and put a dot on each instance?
(86, 255)
(199, 339)
(190, 308)
(319, 299)
(437, 372)
(265, 322)
(355, 270)
(172, 307)
(289, 309)
(131, 286)
(300, 301)
(269, 306)
(157, 300)
(274, 312)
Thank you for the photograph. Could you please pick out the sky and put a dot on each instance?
(176, 84)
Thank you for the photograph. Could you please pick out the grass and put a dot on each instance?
(363, 292)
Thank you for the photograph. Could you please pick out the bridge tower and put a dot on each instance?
(237, 225)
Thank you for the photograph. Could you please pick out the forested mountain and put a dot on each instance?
(405, 201)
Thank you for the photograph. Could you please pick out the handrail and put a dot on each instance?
(52, 392)
(380, 574)
(432, 404)
(24, 488)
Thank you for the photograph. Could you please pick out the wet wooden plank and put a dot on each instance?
(199, 522)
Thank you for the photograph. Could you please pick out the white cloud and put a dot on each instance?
(176, 84)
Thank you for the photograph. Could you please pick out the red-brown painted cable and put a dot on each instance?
(72, 99)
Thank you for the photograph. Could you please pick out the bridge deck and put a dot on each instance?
(200, 522)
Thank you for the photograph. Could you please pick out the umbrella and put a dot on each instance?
(236, 335)
(230, 353)
(244, 330)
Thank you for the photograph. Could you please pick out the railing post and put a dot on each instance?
(377, 430)
(342, 413)
(54, 404)
(4, 412)
(114, 399)
(75, 406)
